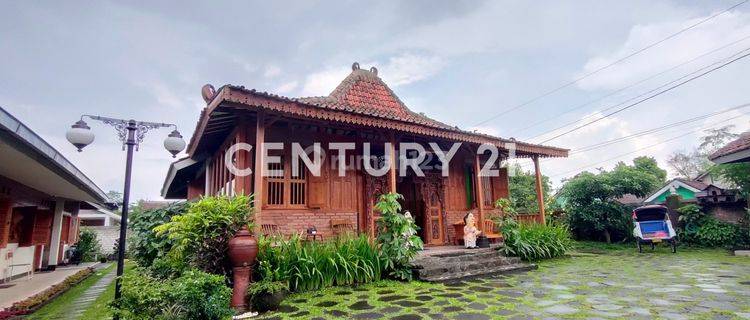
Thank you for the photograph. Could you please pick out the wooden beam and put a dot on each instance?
(479, 191)
(260, 135)
(539, 190)
(392, 172)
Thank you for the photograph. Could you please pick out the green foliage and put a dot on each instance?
(397, 237)
(737, 174)
(698, 228)
(88, 246)
(649, 165)
(594, 213)
(535, 241)
(315, 265)
(201, 236)
(522, 190)
(194, 295)
(144, 244)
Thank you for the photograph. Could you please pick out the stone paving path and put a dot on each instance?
(705, 284)
(79, 306)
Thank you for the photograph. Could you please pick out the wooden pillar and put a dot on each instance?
(539, 189)
(240, 182)
(6, 210)
(56, 234)
(479, 191)
(260, 135)
(392, 173)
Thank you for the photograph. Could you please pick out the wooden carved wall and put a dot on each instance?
(374, 187)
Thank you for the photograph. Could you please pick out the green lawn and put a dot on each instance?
(58, 308)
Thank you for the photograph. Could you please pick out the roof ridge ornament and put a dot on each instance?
(355, 66)
(374, 70)
(208, 92)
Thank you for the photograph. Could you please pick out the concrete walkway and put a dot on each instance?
(79, 306)
(23, 288)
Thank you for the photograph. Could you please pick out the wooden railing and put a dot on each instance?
(529, 217)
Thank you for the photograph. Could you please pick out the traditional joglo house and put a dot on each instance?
(361, 109)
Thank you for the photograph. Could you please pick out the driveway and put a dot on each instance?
(607, 284)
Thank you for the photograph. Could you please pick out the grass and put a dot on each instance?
(59, 307)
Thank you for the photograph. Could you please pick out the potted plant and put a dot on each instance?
(267, 295)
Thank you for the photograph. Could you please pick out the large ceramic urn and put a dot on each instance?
(243, 249)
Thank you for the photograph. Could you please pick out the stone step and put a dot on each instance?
(483, 255)
(480, 272)
(461, 266)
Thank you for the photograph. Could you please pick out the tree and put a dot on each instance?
(591, 204)
(736, 174)
(649, 165)
(690, 164)
(522, 190)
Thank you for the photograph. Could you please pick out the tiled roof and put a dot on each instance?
(364, 92)
(695, 184)
(742, 143)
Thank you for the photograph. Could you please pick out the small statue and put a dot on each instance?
(409, 232)
(470, 231)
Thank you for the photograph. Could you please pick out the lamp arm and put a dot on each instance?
(122, 127)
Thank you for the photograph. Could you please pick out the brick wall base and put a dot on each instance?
(294, 222)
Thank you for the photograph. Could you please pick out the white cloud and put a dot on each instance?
(272, 71)
(399, 70)
(323, 82)
(286, 87)
(163, 94)
(715, 33)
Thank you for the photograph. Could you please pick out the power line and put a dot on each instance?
(627, 87)
(641, 149)
(648, 98)
(649, 131)
(611, 64)
(645, 93)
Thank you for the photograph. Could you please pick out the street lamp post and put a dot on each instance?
(131, 133)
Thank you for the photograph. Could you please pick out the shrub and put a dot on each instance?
(201, 236)
(194, 295)
(315, 265)
(698, 228)
(534, 241)
(88, 246)
(397, 237)
(144, 244)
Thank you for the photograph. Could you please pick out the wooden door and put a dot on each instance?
(434, 218)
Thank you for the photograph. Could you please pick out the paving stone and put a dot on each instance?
(287, 309)
(326, 304)
(368, 315)
(338, 313)
(407, 317)
(452, 309)
(300, 314)
(409, 303)
(561, 309)
(392, 298)
(361, 305)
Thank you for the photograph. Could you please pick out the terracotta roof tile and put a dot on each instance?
(742, 143)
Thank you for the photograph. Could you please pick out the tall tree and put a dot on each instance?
(522, 190)
(590, 199)
(691, 164)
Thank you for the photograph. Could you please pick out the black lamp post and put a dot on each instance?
(131, 134)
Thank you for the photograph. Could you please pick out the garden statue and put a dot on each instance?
(470, 231)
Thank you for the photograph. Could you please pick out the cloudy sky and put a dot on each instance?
(462, 62)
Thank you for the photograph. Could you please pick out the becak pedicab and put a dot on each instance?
(652, 226)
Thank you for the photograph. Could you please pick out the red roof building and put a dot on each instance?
(361, 109)
(734, 152)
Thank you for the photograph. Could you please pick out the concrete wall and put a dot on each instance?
(107, 237)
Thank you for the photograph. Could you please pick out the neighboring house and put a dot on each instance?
(734, 152)
(724, 204)
(93, 215)
(361, 109)
(685, 188)
(41, 194)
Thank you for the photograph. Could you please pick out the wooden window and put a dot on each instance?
(286, 189)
